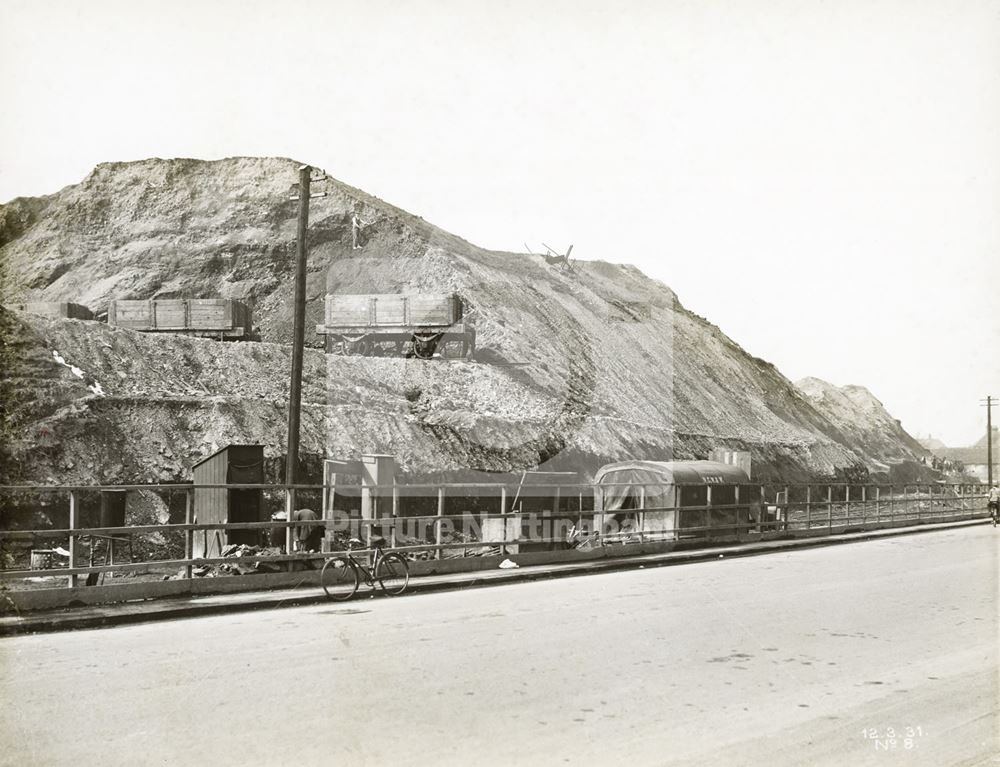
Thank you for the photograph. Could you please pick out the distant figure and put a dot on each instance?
(309, 537)
(994, 503)
(357, 224)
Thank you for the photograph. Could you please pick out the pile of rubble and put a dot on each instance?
(236, 552)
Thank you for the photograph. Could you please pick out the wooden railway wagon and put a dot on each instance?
(396, 324)
(222, 318)
(56, 309)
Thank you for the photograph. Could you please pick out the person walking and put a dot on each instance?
(994, 503)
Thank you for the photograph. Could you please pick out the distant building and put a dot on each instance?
(933, 444)
(974, 458)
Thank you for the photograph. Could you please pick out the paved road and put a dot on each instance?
(806, 657)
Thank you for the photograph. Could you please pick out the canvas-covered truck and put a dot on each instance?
(221, 318)
(419, 325)
(644, 501)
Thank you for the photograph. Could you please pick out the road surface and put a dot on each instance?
(880, 653)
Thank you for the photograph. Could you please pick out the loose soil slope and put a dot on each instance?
(862, 419)
(610, 364)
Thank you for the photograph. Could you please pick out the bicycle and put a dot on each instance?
(994, 512)
(341, 574)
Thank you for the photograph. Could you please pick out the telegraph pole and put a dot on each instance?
(298, 331)
(989, 405)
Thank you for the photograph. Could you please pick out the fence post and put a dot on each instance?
(289, 514)
(708, 511)
(829, 508)
(847, 502)
(808, 507)
(188, 534)
(641, 516)
(878, 497)
(395, 515)
(439, 535)
(503, 511)
(864, 504)
(762, 523)
(602, 516)
(736, 510)
(73, 523)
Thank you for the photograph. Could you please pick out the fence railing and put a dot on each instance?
(440, 521)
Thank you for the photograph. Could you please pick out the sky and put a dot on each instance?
(819, 179)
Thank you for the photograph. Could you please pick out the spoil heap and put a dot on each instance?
(610, 365)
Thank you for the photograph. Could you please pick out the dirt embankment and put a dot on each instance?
(863, 420)
(609, 364)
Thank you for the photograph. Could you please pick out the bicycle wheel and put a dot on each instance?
(339, 577)
(393, 574)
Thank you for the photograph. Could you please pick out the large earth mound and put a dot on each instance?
(578, 364)
(863, 419)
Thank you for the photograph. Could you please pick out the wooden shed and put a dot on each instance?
(232, 465)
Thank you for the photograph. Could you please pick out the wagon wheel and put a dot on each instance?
(424, 347)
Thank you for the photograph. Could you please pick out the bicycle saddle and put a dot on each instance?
(377, 542)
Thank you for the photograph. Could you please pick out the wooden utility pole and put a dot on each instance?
(298, 342)
(298, 331)
(989, 405)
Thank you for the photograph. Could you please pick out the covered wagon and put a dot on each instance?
(639, 501)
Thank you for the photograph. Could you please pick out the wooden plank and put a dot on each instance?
(210, 504)
(433, 310)
(210, 314)
(170, 314)
(390, 309)
(344, 310)
(130, 314)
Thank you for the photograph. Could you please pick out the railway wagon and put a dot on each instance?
(59, 309)
(416, 324)
(670, 500)
(222, 318)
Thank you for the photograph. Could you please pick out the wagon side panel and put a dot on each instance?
(390, 309)
(429, 310)
(348, 311)
(125, 313)
(211, 314)
(170, 314)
